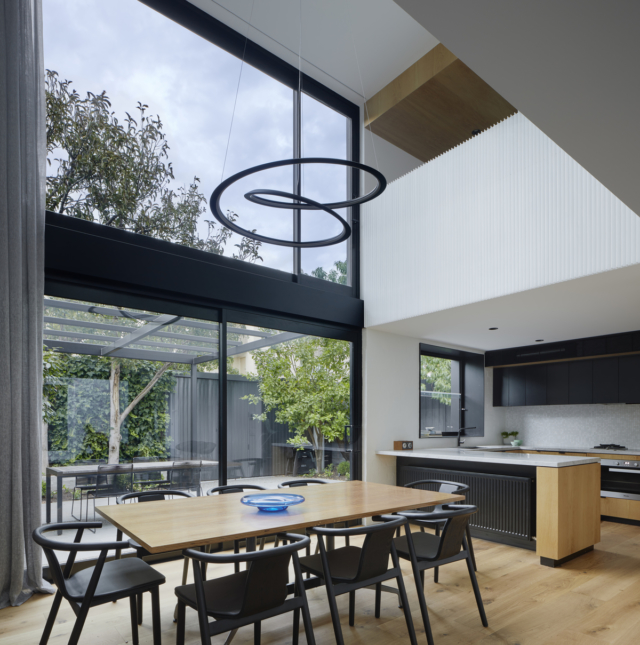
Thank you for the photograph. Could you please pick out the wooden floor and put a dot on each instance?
(593, 600)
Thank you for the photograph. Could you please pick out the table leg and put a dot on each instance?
(59, 501)
(47, 501)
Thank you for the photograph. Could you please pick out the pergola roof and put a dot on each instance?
(80, 328)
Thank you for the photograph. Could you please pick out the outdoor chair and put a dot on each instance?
(350, 568)
(225, 490)
(246, 597)
(84, 483)
(152, 479)
(112, 480)
(98, 585)
(443, 487)
(185, 475)
(141, 552)
(427, 551)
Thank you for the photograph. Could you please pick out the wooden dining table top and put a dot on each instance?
(183, 523)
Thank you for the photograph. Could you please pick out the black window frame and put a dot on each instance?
(169, 278)
(471, 386)
(206, 26)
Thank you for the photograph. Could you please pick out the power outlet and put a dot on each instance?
(403, 445)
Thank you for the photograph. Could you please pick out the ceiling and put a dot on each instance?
(571, 67)
(338, 37)
(605, 303)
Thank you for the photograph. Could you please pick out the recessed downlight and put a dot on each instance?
(540, 340)
(493, 328)
(475, 132)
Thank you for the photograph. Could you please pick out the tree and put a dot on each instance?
(437, 373)
(119, 174)
(306, 383)
(338, 274)
(52, 373)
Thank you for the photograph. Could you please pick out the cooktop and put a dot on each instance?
(609, 446)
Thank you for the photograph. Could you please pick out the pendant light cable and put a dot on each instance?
(235, 101)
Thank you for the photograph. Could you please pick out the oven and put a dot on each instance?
(620, 478)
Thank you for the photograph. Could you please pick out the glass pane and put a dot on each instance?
(118, 389)
(163, 124)
(439, 405)
(324, 134)
(289, 403)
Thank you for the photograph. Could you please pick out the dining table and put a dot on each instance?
(184, 523)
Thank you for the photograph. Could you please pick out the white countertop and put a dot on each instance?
(493, 456)
(599, 451)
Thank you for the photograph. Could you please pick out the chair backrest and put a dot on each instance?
(266, 580)
(377, 546)
(84, 480)
(186, 474)
(455, 518)
(118, 478)
(441, 485)
(147, 474)
(225, 490)
(152, 495)
(294, 483)
(50, 547)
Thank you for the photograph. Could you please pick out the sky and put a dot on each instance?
(135, 54)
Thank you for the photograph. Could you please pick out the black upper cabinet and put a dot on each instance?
(557, 383)
(580, 382)
(536, 385)
(605, 380)
(629, 379)
(499, 388)
(515, 377)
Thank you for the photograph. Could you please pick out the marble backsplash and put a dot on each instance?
(574, 426)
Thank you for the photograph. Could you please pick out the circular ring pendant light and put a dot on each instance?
(255, 196)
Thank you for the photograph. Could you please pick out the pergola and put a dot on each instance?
(145, 336)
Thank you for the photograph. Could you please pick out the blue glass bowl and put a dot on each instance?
(272, 502)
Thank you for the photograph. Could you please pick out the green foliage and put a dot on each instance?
(437, 373)
(306, 383)
(344, 469)
(338, 274)
(79, 426)
(52, 373)
(119, 174)
(504, 435)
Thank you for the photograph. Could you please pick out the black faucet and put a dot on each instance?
(460, 431)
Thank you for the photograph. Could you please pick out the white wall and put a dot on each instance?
(575, 426)
(391, 403)
(390, 160)
(505, 212)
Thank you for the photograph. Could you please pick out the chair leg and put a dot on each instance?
(436, 570)
(422, 578)
(470, 548)
(407, 611)
(185, 575)
(308, 627)
(236, 549)
(378, 598)
(296, 626)
(139, 609)
(335, 616)
(181, 620)
(352, 608)
(256, 633)
(419, 580)
(134, 619)
(476, 591)
(74, 639)
(52, 618)
(155, 615)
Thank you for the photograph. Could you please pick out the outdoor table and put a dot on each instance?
(60, 472)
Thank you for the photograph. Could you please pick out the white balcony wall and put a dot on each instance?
(504, 212)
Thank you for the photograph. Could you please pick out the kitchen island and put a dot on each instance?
(547, 503)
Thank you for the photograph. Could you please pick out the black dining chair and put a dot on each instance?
(427, 551)
(350, 568)
(84, 483)
(246, 597)
(141, 552)
(112, 480)
(151, 479)
(296, 483)
(231, 489)
(185, 475)
(105, 582)
(444, 486)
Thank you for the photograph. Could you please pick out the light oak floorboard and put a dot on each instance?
(594, 600)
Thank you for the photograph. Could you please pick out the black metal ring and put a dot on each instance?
(307, 204)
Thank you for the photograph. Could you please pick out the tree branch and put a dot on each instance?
(144, 392)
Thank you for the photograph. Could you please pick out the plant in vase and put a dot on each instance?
(505, 438)
(514, 439)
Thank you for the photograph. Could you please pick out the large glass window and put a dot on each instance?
(144, 119)
(440, 397)
(288, 406)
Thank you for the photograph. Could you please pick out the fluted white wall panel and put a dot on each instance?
(504, 212)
